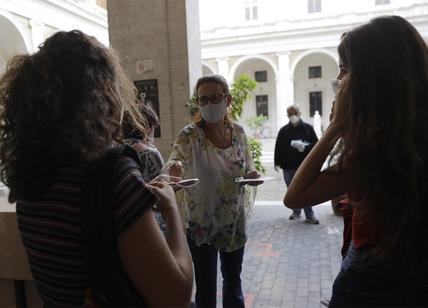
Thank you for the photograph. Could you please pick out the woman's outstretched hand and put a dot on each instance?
(253, 175)
(176, 169)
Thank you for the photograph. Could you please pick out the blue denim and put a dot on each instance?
(205, 265)
(365, 283)
(288, 176)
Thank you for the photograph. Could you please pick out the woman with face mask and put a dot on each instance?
(215, 150)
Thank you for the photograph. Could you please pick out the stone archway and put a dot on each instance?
(306, 53)
(313, 92)
(264, 99)
(207, 70)
(241, 60)
(12, 41)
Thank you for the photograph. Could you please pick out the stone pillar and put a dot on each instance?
(223, 68)
(285, 88)
(37, 36)
(159, 39)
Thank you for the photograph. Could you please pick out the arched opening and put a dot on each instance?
(206, 70)
(11, 42)
(312, 75)
(264, 98)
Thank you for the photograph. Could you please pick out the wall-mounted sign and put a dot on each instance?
(143, 66)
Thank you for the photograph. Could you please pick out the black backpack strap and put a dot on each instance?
(99, 236)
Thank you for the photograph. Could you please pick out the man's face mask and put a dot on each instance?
(294, 119)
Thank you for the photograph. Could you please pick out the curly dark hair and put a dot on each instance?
(60, 107)
(384, 128)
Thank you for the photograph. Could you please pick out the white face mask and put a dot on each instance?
(294, 119)
(335, 85)
(212, 113)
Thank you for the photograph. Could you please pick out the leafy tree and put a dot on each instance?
(241, 90)
(192, 104)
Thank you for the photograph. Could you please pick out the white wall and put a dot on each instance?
(26, 24)
(285, 27)
(12, 41)
(227, 13)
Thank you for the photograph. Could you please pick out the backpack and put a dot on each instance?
(109, 285)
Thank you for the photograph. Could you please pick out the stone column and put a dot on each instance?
(159, 39)
(37, 36)
(285, 88)
(223, 68)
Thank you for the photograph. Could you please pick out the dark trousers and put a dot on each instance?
(377, 284)
(288, 176)
(205, 265)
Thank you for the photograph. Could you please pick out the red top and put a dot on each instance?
(356, 227)
(362, 234)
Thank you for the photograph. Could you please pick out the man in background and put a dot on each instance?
(293, 143)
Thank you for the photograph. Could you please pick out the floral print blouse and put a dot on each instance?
(216, 210)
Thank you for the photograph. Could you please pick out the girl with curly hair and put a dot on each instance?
(380, 114)
(61, 109)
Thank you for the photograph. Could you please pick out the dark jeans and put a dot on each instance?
(288, 176)
(377, 284)
(205, 265)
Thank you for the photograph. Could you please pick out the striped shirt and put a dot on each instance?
(51, 230)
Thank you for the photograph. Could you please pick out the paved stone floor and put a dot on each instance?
(287, 263)
(290, 263)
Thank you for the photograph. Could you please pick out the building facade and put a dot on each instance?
(289, 47)
(24, 24)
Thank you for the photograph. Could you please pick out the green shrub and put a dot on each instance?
(256, 151)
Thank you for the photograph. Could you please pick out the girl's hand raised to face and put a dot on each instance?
(340, 106)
